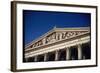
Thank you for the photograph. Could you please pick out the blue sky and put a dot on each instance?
(36, 23)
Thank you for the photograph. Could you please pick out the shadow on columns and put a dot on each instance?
(73, 53)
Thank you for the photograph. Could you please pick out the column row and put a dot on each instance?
(69, 53)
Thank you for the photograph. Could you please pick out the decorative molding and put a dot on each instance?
(58, 34)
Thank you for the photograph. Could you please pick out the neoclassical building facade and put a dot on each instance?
(60, 44)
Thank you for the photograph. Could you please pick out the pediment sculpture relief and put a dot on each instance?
(62, 35)
(57, 36)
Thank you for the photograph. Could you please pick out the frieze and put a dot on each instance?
(56, 36)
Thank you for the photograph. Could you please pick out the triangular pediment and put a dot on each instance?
(58, 34)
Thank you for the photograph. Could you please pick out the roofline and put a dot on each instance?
(50, 31)
(56, 29)
(74, 28)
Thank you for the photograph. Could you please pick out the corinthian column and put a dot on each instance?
(79, 52)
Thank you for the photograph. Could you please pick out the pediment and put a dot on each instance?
(61, 35)
(58, 34)
(68, 34)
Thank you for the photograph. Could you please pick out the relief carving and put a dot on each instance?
(50, 38)
(56, 36)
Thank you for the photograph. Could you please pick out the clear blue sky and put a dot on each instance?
(36, 23)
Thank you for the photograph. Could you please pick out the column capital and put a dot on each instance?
(57, 50)
(67, 47)
(79, 44)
